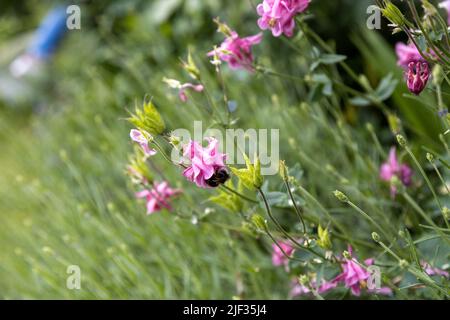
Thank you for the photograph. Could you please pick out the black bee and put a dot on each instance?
(218, 178)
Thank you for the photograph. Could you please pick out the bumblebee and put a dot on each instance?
(218, 178)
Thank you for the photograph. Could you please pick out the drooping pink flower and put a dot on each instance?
(432, 271)
(278, 258)
(446, 5)
(141, 137)
(417, 77)
(158, 197)
(354, 275)
(182, 87)
(392, 168)
(236, 51)
(207, 168)
(278, 15)
(407, 53)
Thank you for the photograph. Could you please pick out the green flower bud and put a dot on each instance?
(376, 237)
(430, 157)
(401, 140)
(393, 13)
(403, 264)
(259, 222)
(283, 170)
(340, 196)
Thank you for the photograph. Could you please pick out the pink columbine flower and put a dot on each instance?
(207, 168)
(237, 51)
(183, 87)
(407, 53)
(278, 15)
(446, 5)
(278, 258)
(157, 197)
(355, 275)
(142, 138)
(393, 168)
(432, 271)
(417, 76)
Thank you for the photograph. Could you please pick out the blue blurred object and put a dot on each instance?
(49, 34)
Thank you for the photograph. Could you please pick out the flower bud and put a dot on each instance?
(403, 264)
(259, 222)
(393, 14)
(376, 237)
(401, 140)
(283, 170)
(417, 76)
(430, 157)
(340, 196)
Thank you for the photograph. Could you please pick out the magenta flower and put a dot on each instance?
(157, 198)
(278, 258)
(175, 84)
(236, 51)
(417, 77)
(278, 15)
(207, 168)
(407, 53)
(142, 138)
(446, 5)
(355, 275)
(392, 168)
(431, 271)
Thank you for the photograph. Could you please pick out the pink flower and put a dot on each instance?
(157, 197)
(278, 15)
(431, 271)
(446, 5)
(141, 137)
(183, 87)
(392, 168)
(278, 258)
(207, 167)
(407, 53)
(355, 275)
(237, 51)
(417, 77)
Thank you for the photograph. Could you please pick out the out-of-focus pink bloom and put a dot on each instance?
(392, 168)
(207, 167)
(142, 139)
(157, 198)
(353, 274)
(278, 258)
(175, 84)
(446, 5)
(417, 77)
(237, 51)
(407, 53)
(278, 15)
(431, 271)
(184, 87)
(299, 289)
